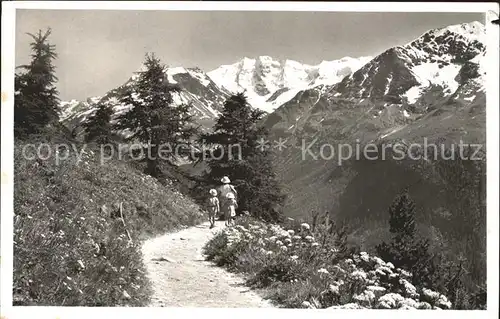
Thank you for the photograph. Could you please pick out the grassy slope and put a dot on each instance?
(70, 251)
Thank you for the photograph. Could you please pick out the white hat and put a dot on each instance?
(225, 180)
(230, 195)
(213, 192)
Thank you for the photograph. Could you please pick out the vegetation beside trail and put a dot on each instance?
(71, 245)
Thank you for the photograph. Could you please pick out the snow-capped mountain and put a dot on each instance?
(435, 58)
(269, 83)
(441, 67)
(432, 87)
(197, 89)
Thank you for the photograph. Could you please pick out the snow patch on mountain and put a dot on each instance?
(413, 94)
(200, 76)
(472, 31)
(263, 78)
(173, 71)
(431, 73)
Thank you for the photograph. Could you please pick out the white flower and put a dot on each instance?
(434, 296)
(377, 290)
(309, 238)
(408, 303)
(273, 238)
(294, 257)
(338, 282)
(390, 265)
(359, 275)
(240, 227)
(288, 240)
(126, 295)
(378, 260)
(443, 302)
(410, 290)
(334, 289)
(284, 248)
(297, 237)
(390, 301)
(404, 273)
(424, 305)
(305, 226)
(323, 271)
(365, 298)
(314, 244)
(269, 252)
(80, 263)
(383, 270)
(364, 256)
(291, 232)
(279, 243)
(337, 268)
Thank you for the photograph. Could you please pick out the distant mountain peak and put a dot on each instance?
(269, 82)
(475, 30)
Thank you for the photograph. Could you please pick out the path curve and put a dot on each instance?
(181, 277)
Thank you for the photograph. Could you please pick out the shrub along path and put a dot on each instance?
(181, 277)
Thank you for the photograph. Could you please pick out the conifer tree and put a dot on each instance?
(406, 250)
(36, 97)
(163, 128)
(236, 153)
(98, 126)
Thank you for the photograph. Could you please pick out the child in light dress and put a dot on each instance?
(231, 210)
(213, 207)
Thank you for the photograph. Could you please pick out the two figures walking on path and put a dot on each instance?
(225, 204)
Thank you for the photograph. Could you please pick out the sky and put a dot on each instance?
(98, 49)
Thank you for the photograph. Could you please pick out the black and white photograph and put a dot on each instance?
(276, 156)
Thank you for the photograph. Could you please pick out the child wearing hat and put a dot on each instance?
(231, 209)
(213, 207)
(225, 189)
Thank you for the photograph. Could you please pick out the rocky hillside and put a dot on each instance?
(197, 89)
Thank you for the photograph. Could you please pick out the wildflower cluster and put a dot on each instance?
(302, 271)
